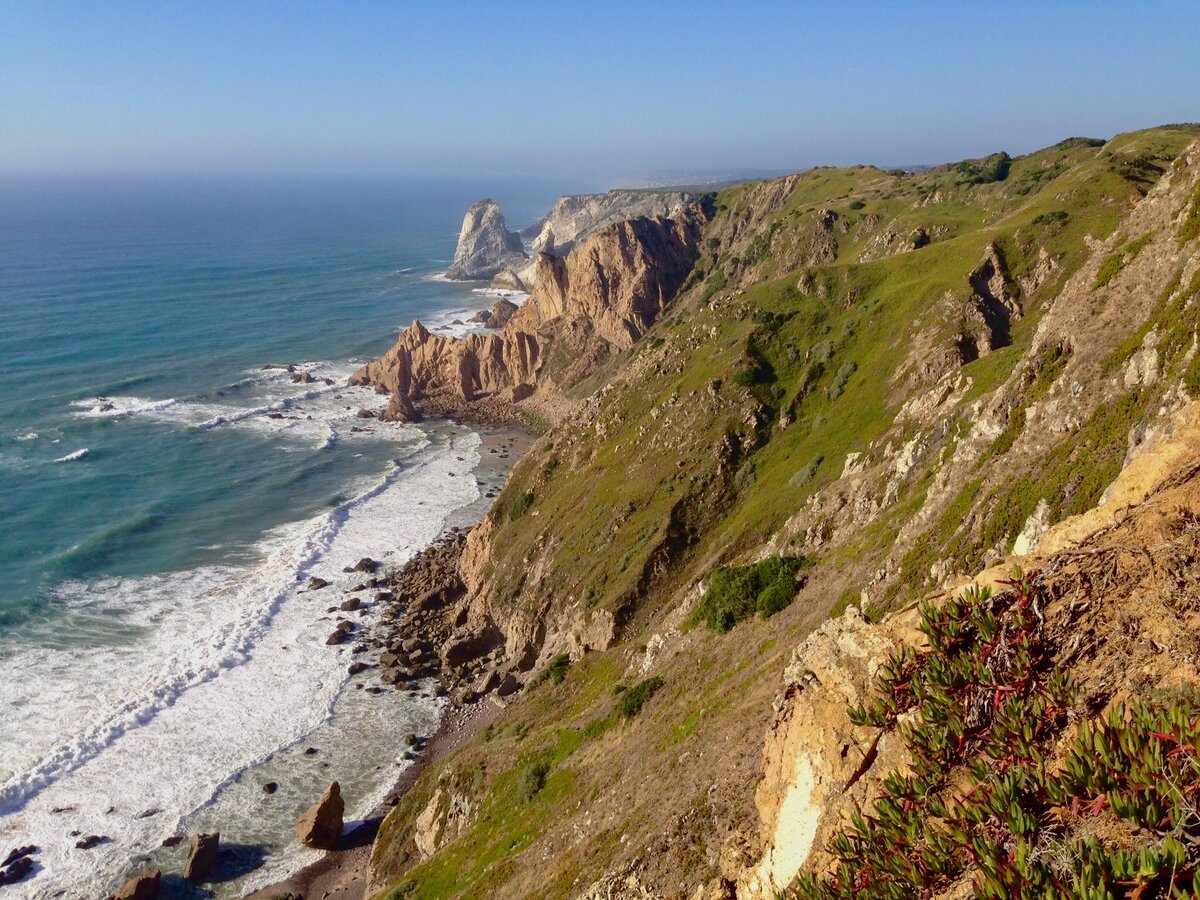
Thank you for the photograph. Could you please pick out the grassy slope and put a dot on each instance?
(650, 495)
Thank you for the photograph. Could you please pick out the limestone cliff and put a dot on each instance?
(485, 245)
(575, 218)
(597, 301)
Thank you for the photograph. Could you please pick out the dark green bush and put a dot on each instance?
(857, 204)
(556, 671)
(737, 592)
(636, 697)
(532, 780)
(520, 506)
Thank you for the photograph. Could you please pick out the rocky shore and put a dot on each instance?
(409, 643)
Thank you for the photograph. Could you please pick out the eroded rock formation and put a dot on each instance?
(575, 218)
(485, 245)
(598, 300)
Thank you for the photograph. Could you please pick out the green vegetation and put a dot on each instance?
(715, 284)
(532, 780)
(985, 707)
(520, 506)
(1190, 229)
(555, 671)
(737, 592)
(1120, 258)
(632, 700)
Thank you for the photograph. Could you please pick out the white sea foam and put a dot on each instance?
(28, 436)
(71, 457)
(190, 683)
(316, 412)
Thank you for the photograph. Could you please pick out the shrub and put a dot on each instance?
(838, 385)
(520, 506)
(805, 475)
(983, 708)
(716, 283)
(737, 592)
(636, 697)
(857, 204)
(532, 780)
(556, 671)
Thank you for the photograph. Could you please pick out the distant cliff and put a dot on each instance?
(485, 245)
(597, 301)
(574, 218)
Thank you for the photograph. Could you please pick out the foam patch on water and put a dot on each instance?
(318, 413)
(172, 692)
(71, 457)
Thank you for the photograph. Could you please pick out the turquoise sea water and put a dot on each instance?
(163, 495)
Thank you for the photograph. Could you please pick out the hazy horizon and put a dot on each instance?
(606, 95)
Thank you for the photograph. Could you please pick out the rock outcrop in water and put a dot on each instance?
(485, 245)
(597, 301)
(321, 824)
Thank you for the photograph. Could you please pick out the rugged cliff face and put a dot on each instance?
(594, 303)
(897, 416)
(485, 245)
(575, 218)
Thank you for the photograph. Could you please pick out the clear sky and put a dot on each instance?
(610, 88)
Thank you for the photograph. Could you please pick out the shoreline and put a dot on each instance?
(342, 874)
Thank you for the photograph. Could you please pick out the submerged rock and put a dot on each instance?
(321, 824)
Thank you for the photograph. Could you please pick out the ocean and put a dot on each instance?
(164, 497)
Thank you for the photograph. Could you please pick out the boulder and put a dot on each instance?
(315, 583)
(350, 604)
(366, 564)
(202, 857)
(321, 825)
(338, 637)
(92, 840)
(17, 870)
(142, 886)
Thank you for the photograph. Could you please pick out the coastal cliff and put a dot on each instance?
(872, 395)
(576, 217)
(583, 309)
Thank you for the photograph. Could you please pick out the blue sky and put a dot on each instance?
(611, 89)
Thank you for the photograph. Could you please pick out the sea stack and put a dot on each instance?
(485, 245)
(321, 824)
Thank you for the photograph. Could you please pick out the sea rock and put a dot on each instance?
(501, 313)
(393, 676)
(315, 583)
(142, 886)
(17, 870)
(355, 667)
(365, 413)
(19, 853)
(270, 787)
(350, 605)
(338, 637)
(485, 245)
(508, 280)
(321, 825)
(202, 858)
(366, 564)
(92, 840)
